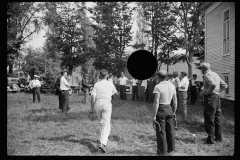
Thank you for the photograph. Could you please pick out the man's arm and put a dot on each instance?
(93, 99)
(66, 82)
(155, 106)
(212, 84)
(174, 104)
(223, 85)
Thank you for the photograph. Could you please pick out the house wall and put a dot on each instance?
(214, 44)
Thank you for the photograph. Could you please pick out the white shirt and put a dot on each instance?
(183, 83)
(35, 83)
(63, 83)
(103, 89)
(172, 80)
(122, 80)
(166, 90)
(144, 83)
(110, 80)
(134, 82)
(193, 82)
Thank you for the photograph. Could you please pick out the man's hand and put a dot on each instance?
(154, 119)
(182, 87)
(202, 92)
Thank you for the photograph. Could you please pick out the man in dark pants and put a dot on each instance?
(213, 85)
(163, 113)
(58, 91)
(150, 90)
(64, 87)
(35, 86)
(123, 82)
(86, 87)
(193, 89)
(134, 89)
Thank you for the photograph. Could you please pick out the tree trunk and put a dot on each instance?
(70, 69)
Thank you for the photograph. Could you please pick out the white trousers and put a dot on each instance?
(103, 108)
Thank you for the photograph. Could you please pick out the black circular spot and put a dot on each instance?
(142, 64)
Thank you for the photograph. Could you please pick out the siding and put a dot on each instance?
(214, 45)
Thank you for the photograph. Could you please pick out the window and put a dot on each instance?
(226, 32)
(227, 82)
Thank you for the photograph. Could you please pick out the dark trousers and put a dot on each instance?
(65, 100)
(212, 117)
(36, 91)
(166, 137)
(193, 92)
(60, 100)
(123, 92)
(135, 92)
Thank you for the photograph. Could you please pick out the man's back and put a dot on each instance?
(167, 90)
(104, 89)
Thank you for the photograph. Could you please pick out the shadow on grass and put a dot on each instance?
(67, 138)
(137, 151)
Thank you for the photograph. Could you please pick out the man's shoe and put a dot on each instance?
(209, 142)
(218, 140)
(102, 148)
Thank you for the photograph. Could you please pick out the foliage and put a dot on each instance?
(48, 83)
(190, 24)
(23, 22)
(112, 35)
(68, 33)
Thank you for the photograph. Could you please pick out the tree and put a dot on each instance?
(22, 23)
(112, 34)
(48, 85)
(190, 24)
(69, 34)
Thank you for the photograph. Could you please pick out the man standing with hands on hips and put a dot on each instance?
(123, 82)
(101, 103)
(164, 113)
(35, 86)
(64, 87)
(213, 85)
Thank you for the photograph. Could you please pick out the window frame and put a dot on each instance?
(227, 82)
(225, 39)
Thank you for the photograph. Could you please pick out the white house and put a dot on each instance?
(220, 42)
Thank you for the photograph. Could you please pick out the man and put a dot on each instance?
(150, 90)
(110, 79)
(35, 86)
(86, 86)
(139, 88)
(193, 89)
(143, 90)
(122, 82)
(171, 78)
(101, 102)
(64, 87)
(134, 89)
(213, 85)
(163, 113)
(58, 90)
(182, 92)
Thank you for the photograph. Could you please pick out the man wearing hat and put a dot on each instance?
(101, 103)
(212, 85)
(123, 82)
(35, 86)
(163, 113)
(182, 91)
(86, 86)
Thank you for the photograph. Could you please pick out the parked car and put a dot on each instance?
(12, 79)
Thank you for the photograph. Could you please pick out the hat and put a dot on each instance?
(162, 73)
(63, 71)
(204, 65)
(183, 72)
(175, 73)
(36, 76)
(170, 74)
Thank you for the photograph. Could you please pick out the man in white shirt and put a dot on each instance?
(64, 87)
(182, 91)
(110, 79)
(35, 86)
(123, 82)
(143, 90)
(101, 103)
(163, 113)
(134, 89)
(193, 89)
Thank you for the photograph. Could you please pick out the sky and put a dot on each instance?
(39, 39)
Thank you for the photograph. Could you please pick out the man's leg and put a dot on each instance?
(38, 93)
(179, 106)
(195, 95)
(60, 100)
(210, 107)
(121, 92)
(124, 93)
(161, 137)
(34, 94)
(133, 93)
(184, 105)
(218, 126)
(142, 94)
(137, 93)
(170, 135)
(67, 101)
(63, 99)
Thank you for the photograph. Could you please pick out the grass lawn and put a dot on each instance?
(40, 129)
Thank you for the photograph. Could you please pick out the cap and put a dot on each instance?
(183, 72)
(204, 65)
(175, 73)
